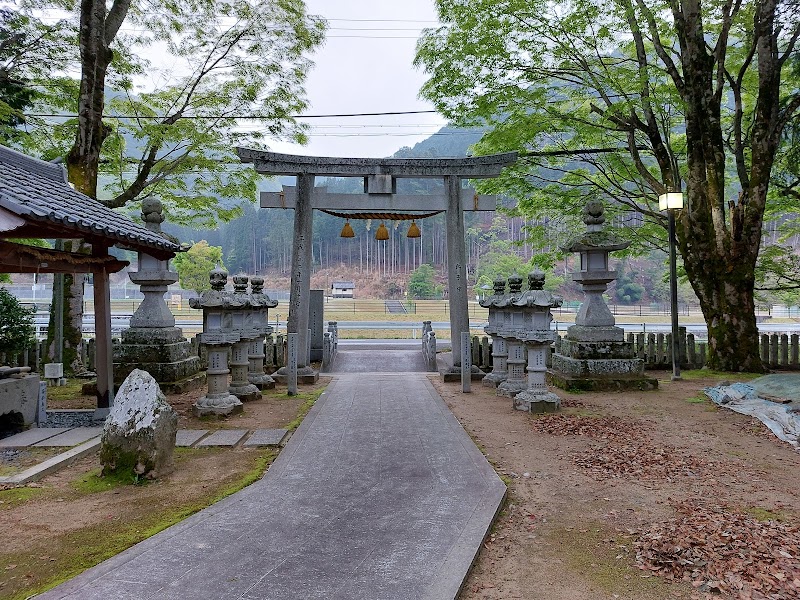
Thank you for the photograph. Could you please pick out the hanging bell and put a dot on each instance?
(413, 230)
(347, 230)
(381, 233)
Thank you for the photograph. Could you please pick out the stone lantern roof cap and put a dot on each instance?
(595, 237)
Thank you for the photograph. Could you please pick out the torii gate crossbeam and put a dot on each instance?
(380, 176)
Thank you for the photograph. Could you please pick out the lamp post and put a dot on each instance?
(672, 201)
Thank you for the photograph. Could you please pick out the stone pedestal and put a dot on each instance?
(516, 380)
(240, 386)
(305, 375)
(499, 363)
(537, 398)
(164, 353)
(255, 372)
(218, 401)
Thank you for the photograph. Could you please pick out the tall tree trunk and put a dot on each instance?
(724, 285)
(98, 26)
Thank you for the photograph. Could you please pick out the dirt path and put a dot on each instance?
(612, 469)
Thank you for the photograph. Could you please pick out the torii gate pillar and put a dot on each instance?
(297, 321)
(379, 175)
(456, 267)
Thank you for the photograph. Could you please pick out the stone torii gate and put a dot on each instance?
(380, 175)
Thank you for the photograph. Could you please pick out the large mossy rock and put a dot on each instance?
(139, 433)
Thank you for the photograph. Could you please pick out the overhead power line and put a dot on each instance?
(246, 117)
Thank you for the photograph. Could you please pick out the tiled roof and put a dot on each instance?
(342, 284)
(39, 191)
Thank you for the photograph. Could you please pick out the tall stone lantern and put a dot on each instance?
(243, 319)
(218, 336)
(594, 354)
(499, 350)
(260, 305)
(152, 342)
(535, 334)
(512, 321)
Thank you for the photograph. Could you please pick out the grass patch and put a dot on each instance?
(604, 557)
(709, 374)
(69, 396)
(764, 514)
(13, 497)
(309, 398)
(60, 558)
(93, 482)
(698, 399)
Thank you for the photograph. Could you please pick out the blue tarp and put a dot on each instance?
(782, 419)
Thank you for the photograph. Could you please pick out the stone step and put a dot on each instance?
(72, 437)
(31, 436)
(223, 437)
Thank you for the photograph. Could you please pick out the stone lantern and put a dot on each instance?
(594, 354)
(499, 350)
(242, 318)
(512, 321)
(218, 337)
(536, 305)
(152, 342)
(260, 305)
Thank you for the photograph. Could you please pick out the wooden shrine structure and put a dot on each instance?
(36, 201)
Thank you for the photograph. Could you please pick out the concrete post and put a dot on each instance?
(291, 366)
(456, 266)
(466, 363)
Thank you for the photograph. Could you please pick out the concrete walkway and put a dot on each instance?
(380, 494)
(378, 357)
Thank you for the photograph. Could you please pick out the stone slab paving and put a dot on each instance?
(186, 437)
(223, 437)
(266, 437)
(31, 437)
(379, 495)
(73, 437)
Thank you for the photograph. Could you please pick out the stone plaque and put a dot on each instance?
(316, 307)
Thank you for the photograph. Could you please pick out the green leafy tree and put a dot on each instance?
(628, 290)
(30, 51)
(623, 100)
(194, 266)
(421, 283)
(176, 138)
(16, 324)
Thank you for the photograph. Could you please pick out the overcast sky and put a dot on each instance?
(365, 66)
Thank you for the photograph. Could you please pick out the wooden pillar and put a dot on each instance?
(456, 266)
(102, 331)
(297, 321)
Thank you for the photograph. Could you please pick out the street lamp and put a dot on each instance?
(672, 201)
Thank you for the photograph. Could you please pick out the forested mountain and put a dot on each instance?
(260, 240)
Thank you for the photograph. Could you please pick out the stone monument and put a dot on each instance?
(594, 354)
(218, 336)
(139, 432)
(152, 342)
